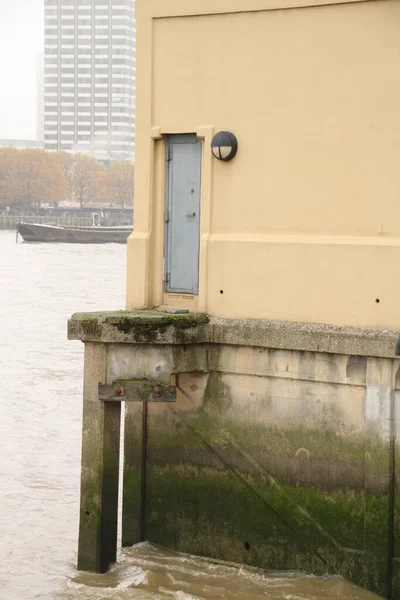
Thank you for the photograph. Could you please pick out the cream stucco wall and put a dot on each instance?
(304, 224)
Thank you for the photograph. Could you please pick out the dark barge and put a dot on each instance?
(34, 232)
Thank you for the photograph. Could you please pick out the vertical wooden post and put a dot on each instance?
(100, 465)
(133, 475)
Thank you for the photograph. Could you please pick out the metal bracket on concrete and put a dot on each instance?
(139, 393)
(143, 390)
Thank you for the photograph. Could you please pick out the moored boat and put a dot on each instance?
(35, 232)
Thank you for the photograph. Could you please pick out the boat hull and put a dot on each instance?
(34, 232)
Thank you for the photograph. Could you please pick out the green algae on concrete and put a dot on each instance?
(99, 495)
(223, 488)
(132, 479)
(262, 333)
(213, 513)
(326, 459)
(227, 477)
(145, 329)
(139, 327)
(100, 468)
(91, 327)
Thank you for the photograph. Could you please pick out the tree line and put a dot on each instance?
(35, 177)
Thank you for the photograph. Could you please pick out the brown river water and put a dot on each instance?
(40, 437)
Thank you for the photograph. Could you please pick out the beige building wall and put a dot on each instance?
(304, 223)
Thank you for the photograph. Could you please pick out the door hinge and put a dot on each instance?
(169, 153)
(167, 216)
(166, 273)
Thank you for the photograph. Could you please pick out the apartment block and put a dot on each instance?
(90, 77)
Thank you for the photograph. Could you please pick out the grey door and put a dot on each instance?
(182, 214)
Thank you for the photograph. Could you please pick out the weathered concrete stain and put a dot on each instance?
(132, 480)
(282, 458)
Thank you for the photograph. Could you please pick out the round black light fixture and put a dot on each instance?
(224, 145)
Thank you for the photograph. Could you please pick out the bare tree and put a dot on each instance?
(83, 174)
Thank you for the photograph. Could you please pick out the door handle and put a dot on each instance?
(191, 215)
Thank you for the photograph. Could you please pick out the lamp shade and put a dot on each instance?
(224, 146)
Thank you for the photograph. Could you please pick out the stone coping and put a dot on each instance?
(154, 327)
(139, 327)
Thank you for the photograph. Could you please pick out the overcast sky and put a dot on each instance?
(21, 39)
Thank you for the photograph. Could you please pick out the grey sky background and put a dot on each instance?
(21, 39)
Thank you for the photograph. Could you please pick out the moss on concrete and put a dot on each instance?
(131, 512)
(217, 483)
(217, 397)
(299, 454)
(90, 505)
(91, 327)
(131, 509)
(137, 327)
(264, 333)
(90, 526)
(213, 513)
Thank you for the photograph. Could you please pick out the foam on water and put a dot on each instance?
(147, 572)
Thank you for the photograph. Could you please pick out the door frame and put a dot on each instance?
(157, 172)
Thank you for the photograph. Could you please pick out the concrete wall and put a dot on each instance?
(308, 209)
(277, 457)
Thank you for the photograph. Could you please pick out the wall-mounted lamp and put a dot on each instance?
(224, 145)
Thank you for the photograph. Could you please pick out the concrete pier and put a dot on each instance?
(269, 443)
(100, 469)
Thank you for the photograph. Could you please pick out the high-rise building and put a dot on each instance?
(40, 97)
(90, 76)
